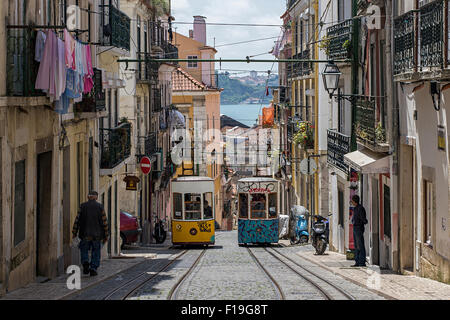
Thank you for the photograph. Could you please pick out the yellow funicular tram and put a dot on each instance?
(193, 211)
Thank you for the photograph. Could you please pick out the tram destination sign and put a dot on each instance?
(257, 187)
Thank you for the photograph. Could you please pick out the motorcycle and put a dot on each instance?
(159, 234)
(320, 232)
(299, 234)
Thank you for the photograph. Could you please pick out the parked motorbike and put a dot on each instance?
(299, 233)
(159, 234)
(320, 232)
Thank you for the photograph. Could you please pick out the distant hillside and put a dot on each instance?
(237, 91)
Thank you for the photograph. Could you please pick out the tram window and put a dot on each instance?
(258, 206)
(192, 206)
(243, 206)
(272, 205)
(207, 205)
(177, 205)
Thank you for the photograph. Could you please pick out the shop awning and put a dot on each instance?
(366, 161)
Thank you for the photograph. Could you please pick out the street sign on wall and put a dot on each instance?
(146, 165)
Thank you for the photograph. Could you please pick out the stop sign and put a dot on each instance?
(146, 165)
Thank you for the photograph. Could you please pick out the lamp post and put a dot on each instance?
(331, 75)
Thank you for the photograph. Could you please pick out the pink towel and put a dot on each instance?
(69, 50)
(88, 78)
(45, 79)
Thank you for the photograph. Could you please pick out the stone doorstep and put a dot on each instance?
(383, 294)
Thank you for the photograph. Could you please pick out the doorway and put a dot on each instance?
(43, 213)
(67, 251)
(407, 177)
(375, 235)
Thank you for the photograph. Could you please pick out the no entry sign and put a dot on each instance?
(146, 165)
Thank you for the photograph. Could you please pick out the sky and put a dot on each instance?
(235, 11)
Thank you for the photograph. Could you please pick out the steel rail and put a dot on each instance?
(130, 292)
(274, 282)
(173, 293)
(347, 295)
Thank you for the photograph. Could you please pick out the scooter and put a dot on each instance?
(159, 234)
(301, 235)
(320, 232)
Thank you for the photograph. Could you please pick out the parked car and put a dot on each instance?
(129, 229)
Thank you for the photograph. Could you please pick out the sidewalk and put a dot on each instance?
(56, 289)
(385, 282)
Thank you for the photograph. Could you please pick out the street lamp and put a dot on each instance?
(331, 75)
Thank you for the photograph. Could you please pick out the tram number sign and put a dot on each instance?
(146, 165)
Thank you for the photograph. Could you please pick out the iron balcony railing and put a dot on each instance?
(425, 48)
(115, 145)
(157, 104)
(299, 69)
(158, 36)
(146, 71)
(151, 144)
(368, 125)
(340, 40)
(21, 67)
(96, 100)
(115, 27)
(338, 146)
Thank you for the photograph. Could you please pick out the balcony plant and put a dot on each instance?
(380, 133)
(305, 135)
(347, 45)
(324, 45)
(360, 132)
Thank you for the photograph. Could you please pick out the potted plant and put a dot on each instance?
(380, 133)
(324, 45)
(305, 135)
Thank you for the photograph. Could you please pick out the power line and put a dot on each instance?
(233, 24)
(244, 42)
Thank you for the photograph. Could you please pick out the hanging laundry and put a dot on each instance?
(45, 79)
(69, 43)
(61, 71)
(40, 46)
(89, 77)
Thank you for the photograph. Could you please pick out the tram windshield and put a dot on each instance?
(207, 205)
(258, 206)
(272, 205)
(243, 206)
(192, 206)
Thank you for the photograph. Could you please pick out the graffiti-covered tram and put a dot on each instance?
(258, 211)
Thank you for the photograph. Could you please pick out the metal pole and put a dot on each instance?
(235, 60)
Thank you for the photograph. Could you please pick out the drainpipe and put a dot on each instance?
(355, 59)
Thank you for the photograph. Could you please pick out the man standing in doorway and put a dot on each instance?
(358, 221)
(91, 226)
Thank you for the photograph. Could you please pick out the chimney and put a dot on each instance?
(200, 29)
(191, 34)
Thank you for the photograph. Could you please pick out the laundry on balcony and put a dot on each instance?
(268, 116)
(65, 70)
(176, 120)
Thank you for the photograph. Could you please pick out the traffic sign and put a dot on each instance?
(312, 166)
(146, 165)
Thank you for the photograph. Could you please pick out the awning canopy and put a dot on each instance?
(366, 161)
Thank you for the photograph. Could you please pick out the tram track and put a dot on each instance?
(280, 292)
(134, 288)
(325, 293)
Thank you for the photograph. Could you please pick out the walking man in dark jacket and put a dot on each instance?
(91, 226)
(358, 221)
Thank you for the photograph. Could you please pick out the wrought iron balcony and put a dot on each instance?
(115, 28)
(338, 146)
(300, 69)
(96, 101)
(115, 145)
(151, 144)
(157, 104)
(147, 71)
(405, 44)
(158, 40)
(369, 129)
(425, 50)
(340, 39)
(21, 67)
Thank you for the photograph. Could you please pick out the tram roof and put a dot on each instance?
(257, 179)
(192, 178)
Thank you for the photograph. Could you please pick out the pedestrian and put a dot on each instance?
(91, 226)
(358, 221)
